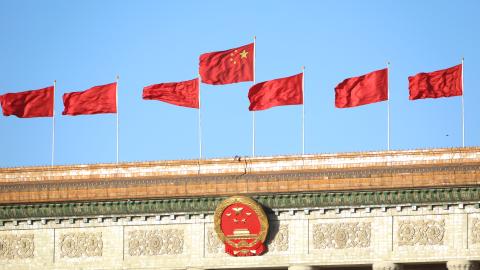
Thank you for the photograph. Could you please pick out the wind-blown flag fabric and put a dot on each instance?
(369, 88)
(177, 93)
(278, 92)
(230, 66)
(28, 104)
(440, 83)
(98, 99)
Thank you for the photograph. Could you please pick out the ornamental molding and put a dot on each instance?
(475, 231)
(155, 242)
(16, 247)
(326, 174)
(341, 235)
(82, 244)
(398, 158)
(421, 232)
(279, 242)
(214, 245)
(271, 201)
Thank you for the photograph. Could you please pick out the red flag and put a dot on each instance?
(278, 92)
(440, 83)
(33, 103)
(369, 88)
(98, 99)
(177, 93)
(230, 66)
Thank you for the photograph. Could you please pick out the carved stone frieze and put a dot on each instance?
(155, 242)
(421, 232)
(214, 245)
(208, 204)
(476, 231)
(16, 246)
(341, 235)
(280, 240)
(81, 244)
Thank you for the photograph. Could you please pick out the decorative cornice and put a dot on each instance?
(384, 170)
(271, 202)
(241, 165)
(328, 174)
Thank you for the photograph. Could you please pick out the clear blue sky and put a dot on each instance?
(85, 43)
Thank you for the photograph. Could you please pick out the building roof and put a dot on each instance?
(362, 171)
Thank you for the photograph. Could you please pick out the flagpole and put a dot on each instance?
(463, 111)
(388, 107)
(253, 112)
(253, 133)
(53, 123)
(303, 110)
(116, 103)
(199, 119)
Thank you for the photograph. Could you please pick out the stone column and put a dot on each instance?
(386, 266)
(462, 265)
(300, 267)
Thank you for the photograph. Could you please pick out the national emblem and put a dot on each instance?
(241, 224)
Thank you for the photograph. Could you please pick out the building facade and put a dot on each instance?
(415, 209)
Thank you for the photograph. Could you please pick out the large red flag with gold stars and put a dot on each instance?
(230, 66)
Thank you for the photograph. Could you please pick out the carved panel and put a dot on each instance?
(341, 235)
(82, 244)
(155, 242)
(421, 232)
(16, 246)
(476, 231)
(214, 245)
(280, 241)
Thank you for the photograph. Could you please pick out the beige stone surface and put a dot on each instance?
(232, 176)
(244, 165)
(190, 242)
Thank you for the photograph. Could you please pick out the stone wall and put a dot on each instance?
(311, 236)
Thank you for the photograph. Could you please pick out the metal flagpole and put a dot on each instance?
(463, 111)
(303, 110)
(199, 119)
(388, 107)
(116, 104)
(53, 123)
(253, 133)
(253, 112)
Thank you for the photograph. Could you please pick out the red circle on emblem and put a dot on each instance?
(242, 225)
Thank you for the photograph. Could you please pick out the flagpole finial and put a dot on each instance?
(118, 77)
(254, 37)
(463, 58)
(303, 68)
(55, 81)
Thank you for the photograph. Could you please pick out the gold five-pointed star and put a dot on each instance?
(243, 54)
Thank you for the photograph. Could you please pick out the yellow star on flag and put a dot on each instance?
(243, 54)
